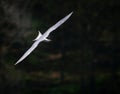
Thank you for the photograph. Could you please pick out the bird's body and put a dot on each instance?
(43, 37)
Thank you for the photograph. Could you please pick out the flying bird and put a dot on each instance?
(43, 37)
(39, 35)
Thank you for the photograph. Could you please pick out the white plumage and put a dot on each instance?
(39, 35)
(43, 37)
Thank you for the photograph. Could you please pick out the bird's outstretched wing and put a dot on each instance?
(56, 25)
(27, 52)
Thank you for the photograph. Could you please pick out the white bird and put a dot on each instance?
(39, 35)
(43, 37)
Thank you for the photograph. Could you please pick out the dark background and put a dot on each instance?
(82, 58)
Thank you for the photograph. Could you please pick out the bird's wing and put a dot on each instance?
(28, 52)
(57, 25)
(39, 35)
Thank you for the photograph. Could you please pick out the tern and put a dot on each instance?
(43, 37)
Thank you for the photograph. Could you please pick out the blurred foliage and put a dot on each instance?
(83, 55)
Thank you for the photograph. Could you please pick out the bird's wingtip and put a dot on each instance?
(15, 63)
(71, 13)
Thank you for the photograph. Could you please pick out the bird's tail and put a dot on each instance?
(47, 40)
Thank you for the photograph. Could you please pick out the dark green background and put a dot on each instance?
(82, 58)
